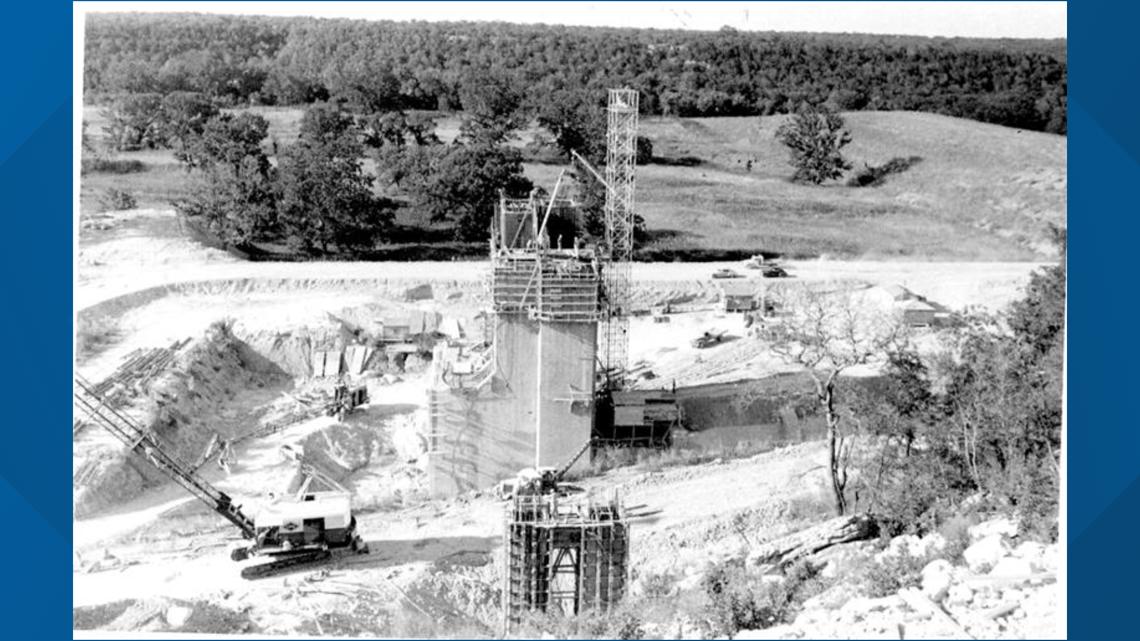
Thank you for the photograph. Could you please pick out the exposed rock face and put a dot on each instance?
(1004, 591)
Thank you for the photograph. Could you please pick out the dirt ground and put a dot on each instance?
(159, 561)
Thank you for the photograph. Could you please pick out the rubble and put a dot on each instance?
(985, 553)
(1007, 599)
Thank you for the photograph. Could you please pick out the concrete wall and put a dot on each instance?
(482, 436)
(565, 403)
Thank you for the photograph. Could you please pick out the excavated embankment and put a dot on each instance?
(182, 406)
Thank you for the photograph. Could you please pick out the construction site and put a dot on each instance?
(459, 449)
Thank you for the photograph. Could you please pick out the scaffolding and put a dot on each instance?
(621, 152)
(563, 555)
(530, 278)
(545, 287)
(517, 223)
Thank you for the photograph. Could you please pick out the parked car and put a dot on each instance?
(726, 273)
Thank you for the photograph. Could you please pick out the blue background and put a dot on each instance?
(36, 217)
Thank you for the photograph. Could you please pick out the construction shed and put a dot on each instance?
(916, 310)
(740, 296)
(918, 313)
(637, 418)
(403, 326)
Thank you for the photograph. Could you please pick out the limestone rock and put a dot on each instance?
(176, 615)
(959, 594)
(936, 579)
(1012, 567)
(985, 553)
(1003, 526)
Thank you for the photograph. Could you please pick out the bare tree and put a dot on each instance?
(828, 332)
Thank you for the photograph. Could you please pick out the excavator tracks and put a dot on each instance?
(264, 570)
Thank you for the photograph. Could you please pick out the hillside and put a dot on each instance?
(980, 192)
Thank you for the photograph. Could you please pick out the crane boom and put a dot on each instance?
(143, 444)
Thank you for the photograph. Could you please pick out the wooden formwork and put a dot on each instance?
(563, 556)
(546, 288)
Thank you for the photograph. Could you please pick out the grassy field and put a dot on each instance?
(980, 192)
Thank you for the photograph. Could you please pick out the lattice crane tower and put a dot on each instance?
(621, 152)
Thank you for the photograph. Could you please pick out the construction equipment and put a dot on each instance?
(768, 268)
(756, 262)
(346, 399)
(708, 339)
(310, 526)
(307, 529)
(727, 273)
(542, 480)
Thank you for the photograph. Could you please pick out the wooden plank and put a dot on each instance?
(358, 354)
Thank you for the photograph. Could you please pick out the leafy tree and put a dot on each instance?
(329, 125)
(492, 108)
(815, 136)
(324, 197)
(991, 424)
(365, 82)
(397, 129)
(134, 122)
(1038, 320)
(461, 183)
(129, 76)
(826, 334)
(577, 120)
(237, 202)
(184, 118)
(644, 154)
(391, 134)
(228, 140)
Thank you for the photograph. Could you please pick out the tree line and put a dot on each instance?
(976, 423)
(381, 66)
(314, 195)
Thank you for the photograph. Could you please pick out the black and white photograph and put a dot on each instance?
(560, 320)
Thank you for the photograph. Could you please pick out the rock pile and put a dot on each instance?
(1002, 588)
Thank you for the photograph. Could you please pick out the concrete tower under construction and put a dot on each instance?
(528, 399)
(558, 325)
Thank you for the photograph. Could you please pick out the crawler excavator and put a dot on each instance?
(307, 528)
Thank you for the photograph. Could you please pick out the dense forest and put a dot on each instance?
(381, 66)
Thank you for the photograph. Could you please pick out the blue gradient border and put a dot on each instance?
(1104, 432)
(35, 180)
(1104, 225)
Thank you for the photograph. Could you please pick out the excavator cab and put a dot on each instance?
(308, 525)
